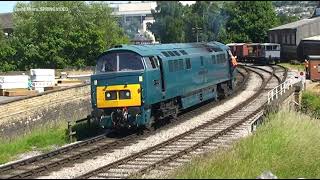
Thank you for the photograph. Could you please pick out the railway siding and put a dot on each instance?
(23, 115)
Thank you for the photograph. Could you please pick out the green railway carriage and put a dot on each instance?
(136, 85)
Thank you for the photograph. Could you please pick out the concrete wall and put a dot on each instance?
(21, 116)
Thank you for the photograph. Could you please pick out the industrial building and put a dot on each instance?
(290, 36)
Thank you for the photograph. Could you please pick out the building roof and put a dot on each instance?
(313, 57)
(296, 24)
(313, 38)
(6, 20)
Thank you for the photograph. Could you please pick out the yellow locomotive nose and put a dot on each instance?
(118, 96)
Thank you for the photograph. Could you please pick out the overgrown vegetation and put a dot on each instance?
(287, 145)
(311, 103)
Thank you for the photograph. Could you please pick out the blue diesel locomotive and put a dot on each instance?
(137, 85)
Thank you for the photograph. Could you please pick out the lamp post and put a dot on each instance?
(196, 30)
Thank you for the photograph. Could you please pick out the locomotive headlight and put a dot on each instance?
(95, 82)
(124, 94)
(111, 95)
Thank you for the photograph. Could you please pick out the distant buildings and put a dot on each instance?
(290, 35)
(135, 11)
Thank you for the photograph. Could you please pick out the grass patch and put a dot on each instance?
(310, 103)
(44, 139)
(299, 67)
(287, 145)
(41, 139)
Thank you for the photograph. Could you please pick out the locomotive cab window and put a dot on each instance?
(119, 61)
(152, 62)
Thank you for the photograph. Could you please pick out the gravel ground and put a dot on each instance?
(107, 158)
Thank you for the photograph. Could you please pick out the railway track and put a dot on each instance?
(87, 149)
(203, 136)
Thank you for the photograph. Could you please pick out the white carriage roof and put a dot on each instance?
(313, 38)
(270, 44)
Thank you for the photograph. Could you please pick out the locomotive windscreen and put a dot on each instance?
(119, 61)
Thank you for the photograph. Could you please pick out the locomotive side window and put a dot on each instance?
(188, 63)
(151, 62)
(213, 59)
(171, 66)
(119, 61)
(181, 67)
(176, 65)
(201, 59)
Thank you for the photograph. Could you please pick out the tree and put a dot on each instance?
(169, 22)
(74, 36)
(285, 19)
(6, 53)
(249, 21)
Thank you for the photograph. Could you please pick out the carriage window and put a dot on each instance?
(119, 61)
(268, 48)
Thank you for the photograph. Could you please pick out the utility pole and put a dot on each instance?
(196, 30)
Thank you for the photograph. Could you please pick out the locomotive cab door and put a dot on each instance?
(154, 80)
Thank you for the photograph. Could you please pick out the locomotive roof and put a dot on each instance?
(156, 49)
